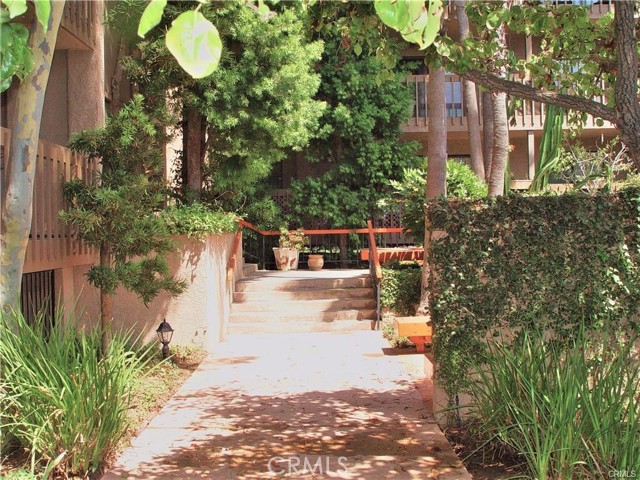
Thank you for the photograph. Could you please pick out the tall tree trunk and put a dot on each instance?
(487, 133)
(436, 166)
(626, 89)
(500, 154)
(193, 153)
(17, 203)
(106, 304)
(471, 101)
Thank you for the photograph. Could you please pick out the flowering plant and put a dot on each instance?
(295, 239)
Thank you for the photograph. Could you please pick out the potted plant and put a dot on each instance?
(289, 245)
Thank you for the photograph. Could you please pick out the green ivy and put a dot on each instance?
(196, 220)
(400, 289)
(516, 262)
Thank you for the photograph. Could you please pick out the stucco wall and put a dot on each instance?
(199, 316)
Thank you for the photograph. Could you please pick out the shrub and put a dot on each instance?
(64, 402)
(400, 289)
(409, 193)
(196, 220)
(567, 412)
(523, 261)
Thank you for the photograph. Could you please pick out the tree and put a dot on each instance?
(470, 100)
(251, 111)
(118, 215)
(586, 58)
(360, 148)
(18, 197)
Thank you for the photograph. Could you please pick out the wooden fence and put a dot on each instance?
(52, 244)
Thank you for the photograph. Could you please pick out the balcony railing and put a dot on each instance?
(78, 20)
(52, 244)
(529, 117)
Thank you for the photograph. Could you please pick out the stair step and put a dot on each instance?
(249, 269)
(302, 316)
(301, 326)
(307, 306)
(283, 295)
(262, 283)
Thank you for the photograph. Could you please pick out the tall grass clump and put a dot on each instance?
(568, 411)
(64, 402)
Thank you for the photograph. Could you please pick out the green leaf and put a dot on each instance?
(15, 7)
(43, 12)
(151, 16)
(394, 13)
(195, 43)
(433, 23)
(263, 10)
(357, 49)
(599, 122)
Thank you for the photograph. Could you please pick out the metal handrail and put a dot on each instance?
(375, 270)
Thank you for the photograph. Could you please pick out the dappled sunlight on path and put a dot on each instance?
(323, 405)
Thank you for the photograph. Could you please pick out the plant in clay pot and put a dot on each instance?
(289, 245)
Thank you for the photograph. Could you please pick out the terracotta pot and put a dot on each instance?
(286, 258)
(315, 262)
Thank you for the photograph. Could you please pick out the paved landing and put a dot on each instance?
(296, 405)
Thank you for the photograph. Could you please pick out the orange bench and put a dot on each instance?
(418, 329)
(386, 255)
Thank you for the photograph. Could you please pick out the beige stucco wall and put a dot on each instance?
(199, 316)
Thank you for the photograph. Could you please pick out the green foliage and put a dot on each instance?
(258, 104)
(409, 193)
(605, 170)
(16, 56)
(569, 411)
(523, 261)
(400, 289)
(360, 144)
(415, 23)
(295, 239)
(64, 403)
(196, 220)
(118, 214)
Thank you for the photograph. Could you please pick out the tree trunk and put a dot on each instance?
(193, 154)
(25, 132)
(436, 167)
(500, 154)
(106, 305)
(471, 101)
(487, 133)
(626, 89)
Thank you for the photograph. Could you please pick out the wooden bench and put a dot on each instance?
(418, 329)
(395, 254)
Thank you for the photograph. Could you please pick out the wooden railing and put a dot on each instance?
(529, 117)
(78, 20)
(52, 244)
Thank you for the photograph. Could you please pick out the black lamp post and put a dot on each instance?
(165, 332)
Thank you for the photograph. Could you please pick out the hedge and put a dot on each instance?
(400, 289)
(514, 262)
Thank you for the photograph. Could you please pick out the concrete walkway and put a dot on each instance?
(296, 405)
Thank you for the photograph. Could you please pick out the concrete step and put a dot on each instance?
(249, 269)
(285, 307)
(302, 315)
(283, 295)
(262, 283)
(300, 326)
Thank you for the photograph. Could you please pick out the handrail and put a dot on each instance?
(374, 268)
(233, 258)
(334, 231)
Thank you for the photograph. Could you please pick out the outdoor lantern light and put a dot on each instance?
(165, 332)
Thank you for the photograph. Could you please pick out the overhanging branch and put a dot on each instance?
(527, 92)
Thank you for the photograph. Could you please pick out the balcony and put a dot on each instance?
(77, 29)
(529, 117)
(52, 244)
